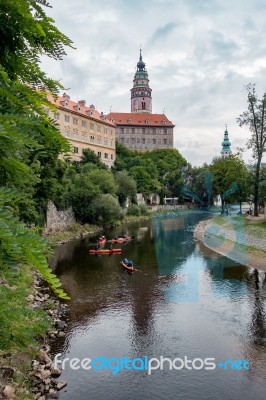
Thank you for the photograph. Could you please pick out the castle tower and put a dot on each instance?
(226, 149)
(141, 101)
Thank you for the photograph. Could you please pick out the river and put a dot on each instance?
(184, 303)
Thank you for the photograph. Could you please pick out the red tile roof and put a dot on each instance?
(139, 119)
(65, 103)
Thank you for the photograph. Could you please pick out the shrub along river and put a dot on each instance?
(184, 303)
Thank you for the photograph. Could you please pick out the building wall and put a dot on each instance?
(85, 131)
(145, 138)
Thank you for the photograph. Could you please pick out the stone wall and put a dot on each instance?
(58, 220)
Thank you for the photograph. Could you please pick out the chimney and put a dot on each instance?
(66, 96)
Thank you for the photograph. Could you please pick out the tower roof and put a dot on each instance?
(226, 149)
(141, 64)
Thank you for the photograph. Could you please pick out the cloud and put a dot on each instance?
(163, 31)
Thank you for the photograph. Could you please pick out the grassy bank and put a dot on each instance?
(75, 231)
(21, 329)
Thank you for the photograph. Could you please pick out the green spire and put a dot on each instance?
(226, 149)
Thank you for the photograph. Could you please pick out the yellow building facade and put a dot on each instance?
(85, 128)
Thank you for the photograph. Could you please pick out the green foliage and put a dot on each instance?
(106, 209)
(134, 210)
(89, 156)
(127, 187)
(26, 34)
(159, 171)
(19, 325)
(255, 119)
(226, 172)
(81, 194)
(20, 245)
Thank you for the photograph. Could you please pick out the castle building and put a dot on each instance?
(226, 149)
(85, 128)
(141, 129)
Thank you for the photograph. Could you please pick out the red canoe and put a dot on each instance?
(129, 269)
(105, 251)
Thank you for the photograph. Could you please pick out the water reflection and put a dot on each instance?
(183, 300)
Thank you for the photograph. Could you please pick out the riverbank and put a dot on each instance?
(30, 316)
(239, 238)
(78, 230)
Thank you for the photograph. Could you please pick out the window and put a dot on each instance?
(133, 130)
(154, 141)
(84, 137)
(111, 143)
(75, 134)
(105, 141)
(121, 130)
(84, 123)
(67, 118)
(99, 140)
(67, 133)
(112, 157)
(76, 150)
(165, 131)
(133, 140)
(75, 121)
(143, 130)
(92, 126)
(165, 141)
(127, 140)
(105, 130)
(143, 105)
(91, 138)
(143, 140)
(99, 128)
(99, 154)
(147, 121)
(105, 155)
(56, 115)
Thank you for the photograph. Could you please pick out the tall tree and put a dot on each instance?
(255, 119)
(26, 132)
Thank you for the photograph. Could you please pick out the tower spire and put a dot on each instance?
(226, 149)
(141, 100)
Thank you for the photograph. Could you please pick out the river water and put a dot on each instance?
(184, 302)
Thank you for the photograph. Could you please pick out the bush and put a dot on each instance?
(134, 209)
(106, 209)
(143, 209)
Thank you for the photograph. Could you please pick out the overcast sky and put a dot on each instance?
(199, 54)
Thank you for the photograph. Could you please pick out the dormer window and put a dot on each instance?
(163, 121)
(129, 121)
(147, 121)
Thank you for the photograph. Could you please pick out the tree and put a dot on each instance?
(26, 33)
(89, 156)
(255, 119)
(28, 137)
(230, 178)
(106, 209)
(127, 187)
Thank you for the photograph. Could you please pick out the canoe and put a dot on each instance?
(129, 269)
(121, 240)
(105, 251)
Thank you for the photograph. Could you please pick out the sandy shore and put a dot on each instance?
(234, 242)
